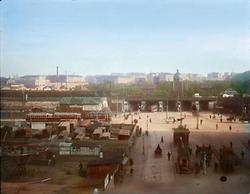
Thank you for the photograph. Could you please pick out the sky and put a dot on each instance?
(90, 37)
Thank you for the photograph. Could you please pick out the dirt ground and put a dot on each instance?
(64, 179)
(158, 175)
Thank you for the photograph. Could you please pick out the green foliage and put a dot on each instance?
(165, 89)
(240, 86)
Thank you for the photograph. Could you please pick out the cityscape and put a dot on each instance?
(67, 82)
(125, 97)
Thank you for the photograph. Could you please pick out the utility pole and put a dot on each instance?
(167, 111)
(143, 146)
(197, 114)
(197, 121)
(117, 105)
(204, 163)
(147, 124)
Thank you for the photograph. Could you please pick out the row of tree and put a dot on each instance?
(166, 89)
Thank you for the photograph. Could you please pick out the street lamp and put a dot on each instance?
(143, 146)
(147, 124)
(167, 110)
(204, 163)
(197, 114)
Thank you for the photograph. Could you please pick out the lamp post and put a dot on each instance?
(204, 163)
(143, 146)
(197, 114)
(167, 111)
(117, 105)
(147, 124)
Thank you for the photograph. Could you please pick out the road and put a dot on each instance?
(157, 175)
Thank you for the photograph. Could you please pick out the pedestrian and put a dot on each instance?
(210, 116)
(231, 145)
(242, 155)
(201, 121)
(169, 155)
(161, 139)
(221, 120)
(216, 126)
(80, 166)
(230, 128)
(150, 120)
(131, 171)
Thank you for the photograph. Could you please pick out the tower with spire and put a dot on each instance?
(177, 84)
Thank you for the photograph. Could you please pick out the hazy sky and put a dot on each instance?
(105, 36)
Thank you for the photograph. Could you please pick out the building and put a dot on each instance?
(153, 78)
(101, 133)
(169, 77)
(66, 81)
(98, 79)
(229, 93)
(79, 148)
(125, 80)
(100, 167)
(124, 134)
(33, 81)
(84, 103)
(214, 76)
(177, 84)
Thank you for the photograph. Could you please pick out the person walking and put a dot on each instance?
(231, 144)
(201, 122)
(169, 155)
(161, 139)
(80, 166)
(216, 126)
(230, 128)
(131, 171)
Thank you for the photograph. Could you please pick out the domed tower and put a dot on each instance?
(177, 84)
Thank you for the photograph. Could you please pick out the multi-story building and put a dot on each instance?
(66, 81)
(125, 80)
(166, 77)
(214, 76)
(33, 81)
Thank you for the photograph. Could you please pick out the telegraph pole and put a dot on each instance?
(167, 111)
(204, 163)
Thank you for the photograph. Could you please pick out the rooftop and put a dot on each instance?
(81, 100)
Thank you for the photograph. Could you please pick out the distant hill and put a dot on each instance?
(242, 76)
